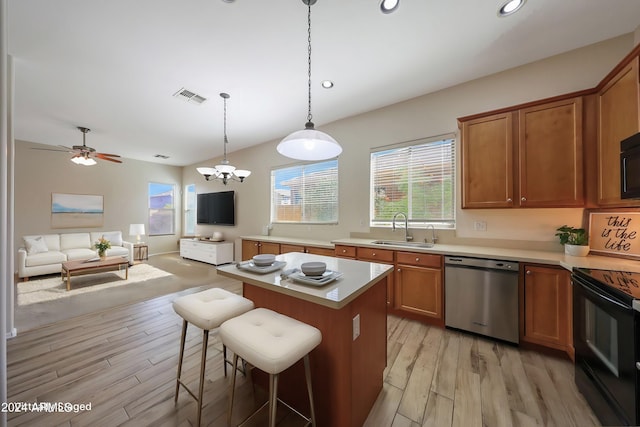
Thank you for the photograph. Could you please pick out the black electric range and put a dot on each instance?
(606, 335)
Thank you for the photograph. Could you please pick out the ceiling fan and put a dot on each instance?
(83, 154)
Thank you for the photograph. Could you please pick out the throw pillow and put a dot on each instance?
(114, 237)
(35, 245)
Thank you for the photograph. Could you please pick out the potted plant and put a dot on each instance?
(575, 240)
(102, 245)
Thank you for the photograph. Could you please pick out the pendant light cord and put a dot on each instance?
(226, 141)
(309, 116)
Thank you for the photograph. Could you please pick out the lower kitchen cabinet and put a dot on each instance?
(383, 256)
(344, 251)
(419, 286)
(547, 307)
(251, 248)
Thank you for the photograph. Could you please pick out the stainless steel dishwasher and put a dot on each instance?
(481, 296)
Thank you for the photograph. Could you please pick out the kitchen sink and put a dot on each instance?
(400, 243)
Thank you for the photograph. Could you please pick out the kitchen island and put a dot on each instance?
(350, 312)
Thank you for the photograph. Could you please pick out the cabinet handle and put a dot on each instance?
(524, 199)
(638, 365)
(417, 259)
(398, 270)
(528, 272)
(344, 251)
(373, 254)
(509, 200)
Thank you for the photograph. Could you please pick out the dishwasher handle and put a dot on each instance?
(492, 264)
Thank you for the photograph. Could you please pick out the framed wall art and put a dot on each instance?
(76, 210)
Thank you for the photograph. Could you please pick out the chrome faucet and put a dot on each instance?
(433, 234)
(407, 237)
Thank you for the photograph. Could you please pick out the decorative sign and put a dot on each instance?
(615, 233)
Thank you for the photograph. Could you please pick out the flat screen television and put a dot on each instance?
(216, 208)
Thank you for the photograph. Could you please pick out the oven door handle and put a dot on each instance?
(601, 295)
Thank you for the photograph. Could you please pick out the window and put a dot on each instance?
(417, 179)
(161, 209)
(306, 194)
(190, 209)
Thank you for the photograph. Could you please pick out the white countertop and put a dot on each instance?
(521, 255)
(357, 277)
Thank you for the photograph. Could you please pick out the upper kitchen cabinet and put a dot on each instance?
(526, 157)
(618, 118)
(550, 155)
(487, 162)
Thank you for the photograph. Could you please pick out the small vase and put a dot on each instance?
(102, 254)
(576, 250)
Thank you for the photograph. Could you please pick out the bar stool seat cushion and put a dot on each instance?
(268, 340)
(208, 309)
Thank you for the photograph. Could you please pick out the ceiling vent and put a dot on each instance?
(161, 156)
(189, 96)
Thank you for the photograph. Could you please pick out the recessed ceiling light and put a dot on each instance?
(510, 7)
(388, 6)
(327, 84)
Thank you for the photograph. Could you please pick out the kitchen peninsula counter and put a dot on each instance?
(348, 364)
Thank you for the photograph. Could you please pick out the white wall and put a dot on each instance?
(424, 116)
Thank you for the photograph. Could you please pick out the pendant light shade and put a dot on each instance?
(309, 144)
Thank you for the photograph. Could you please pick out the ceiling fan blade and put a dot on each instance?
(66, 148)
(100, 156)
(105, 154)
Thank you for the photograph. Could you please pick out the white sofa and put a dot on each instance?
(45, 253)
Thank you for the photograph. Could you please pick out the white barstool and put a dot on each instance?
(272, 343)
(207, 310)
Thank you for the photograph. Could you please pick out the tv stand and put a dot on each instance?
(215, 253)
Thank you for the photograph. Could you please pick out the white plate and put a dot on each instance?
(328, 277)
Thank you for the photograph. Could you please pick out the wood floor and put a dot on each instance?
(123, 361)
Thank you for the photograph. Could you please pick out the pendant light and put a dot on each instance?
(224, 171)
(309, 144)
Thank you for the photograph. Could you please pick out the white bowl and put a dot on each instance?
(264, 260)
(313, 268)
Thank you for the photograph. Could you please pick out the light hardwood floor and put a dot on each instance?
(123, 361)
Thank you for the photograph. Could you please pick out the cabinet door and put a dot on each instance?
(618, 118)
(547, 306)
(250, 248)
(419, 290)
(269, 248)
(550, 155)
(487, 162)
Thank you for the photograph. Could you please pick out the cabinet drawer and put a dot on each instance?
(419, 259)
(371, 254)
(345, 251)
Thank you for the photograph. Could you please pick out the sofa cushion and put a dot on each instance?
(45, 258)
(118, 251)
(35, 244)
(75, 241)
(114, 237)
(79, 253)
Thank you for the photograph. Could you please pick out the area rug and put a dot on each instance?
(52, 288)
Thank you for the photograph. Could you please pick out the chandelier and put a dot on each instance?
(309, 144)
(224, 171)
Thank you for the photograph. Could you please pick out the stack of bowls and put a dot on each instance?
(264, 260)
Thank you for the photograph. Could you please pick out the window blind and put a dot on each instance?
(305, 193)
(418, 180)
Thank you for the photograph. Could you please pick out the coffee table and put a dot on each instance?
(81, 267)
